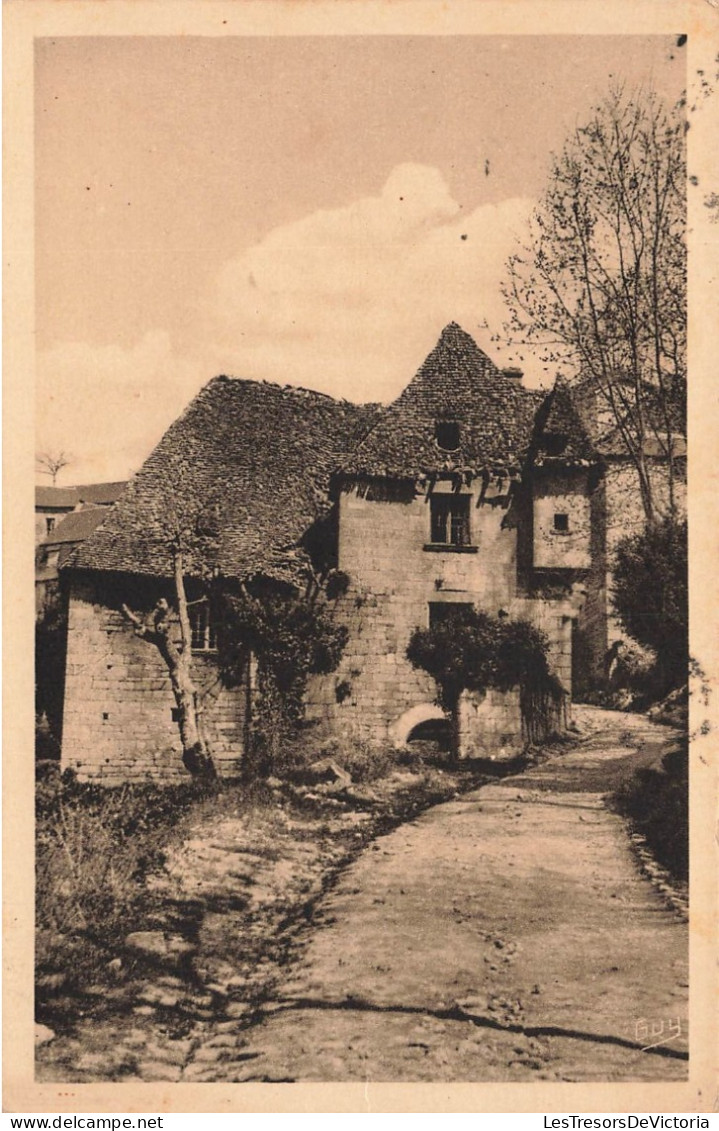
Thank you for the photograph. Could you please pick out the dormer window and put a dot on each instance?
(554, 443)
(446, 434)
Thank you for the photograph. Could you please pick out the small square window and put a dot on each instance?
(561, 523)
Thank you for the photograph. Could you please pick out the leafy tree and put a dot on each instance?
(600, 286)
(287, 634)
(469, 650)
(651, 595)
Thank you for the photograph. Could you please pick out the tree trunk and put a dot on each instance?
(455, 731)
(156, 630)
(195, 755)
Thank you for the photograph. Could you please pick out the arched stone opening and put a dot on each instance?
(424, 713)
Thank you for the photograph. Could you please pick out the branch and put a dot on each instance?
(154, 627)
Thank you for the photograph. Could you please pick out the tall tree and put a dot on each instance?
(601, 284)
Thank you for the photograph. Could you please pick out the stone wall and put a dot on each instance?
(565, 494)
(118, 720)
(490, 725)
(394, 579)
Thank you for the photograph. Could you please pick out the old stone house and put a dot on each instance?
(469, 489)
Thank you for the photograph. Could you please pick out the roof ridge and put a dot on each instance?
(286, 387)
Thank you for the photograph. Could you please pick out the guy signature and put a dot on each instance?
(658, 1032)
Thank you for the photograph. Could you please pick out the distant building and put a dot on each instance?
(65, 517)
(53, 503)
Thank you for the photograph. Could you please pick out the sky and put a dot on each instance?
(306, 210)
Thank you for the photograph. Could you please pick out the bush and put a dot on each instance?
(651, 597)
(657, 803)
(366, 763)
(362, 761)
(469, 650)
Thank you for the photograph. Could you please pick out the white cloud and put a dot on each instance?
(108, 406)
(350, 300)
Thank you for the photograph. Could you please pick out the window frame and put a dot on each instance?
(559, 528)
(203, 629)
(450, 526)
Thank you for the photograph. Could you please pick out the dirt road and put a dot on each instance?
(506, 935)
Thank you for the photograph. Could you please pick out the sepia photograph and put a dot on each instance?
(364, 696)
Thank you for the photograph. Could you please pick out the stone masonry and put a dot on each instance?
(119, 720)
(396, 574)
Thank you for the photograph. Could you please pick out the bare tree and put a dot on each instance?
(601, 284)
(52, 463)
(190, 544)
(160, 628)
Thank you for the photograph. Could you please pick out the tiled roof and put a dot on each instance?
(101, 494)
(76, 526)
(63, 497)
(457, 382)
(68, 497)
(248, 464)
(612, 444)
(560, 436)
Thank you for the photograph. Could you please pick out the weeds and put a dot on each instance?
(656, 801)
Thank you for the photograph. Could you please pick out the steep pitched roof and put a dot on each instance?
(560, 436)
(247, 464)
(457, 382)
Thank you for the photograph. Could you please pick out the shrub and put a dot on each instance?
(292, 635)
(470, 650)
(651, 597)
(362, 761)
(366, 763)
(657, 803)
(634, 668)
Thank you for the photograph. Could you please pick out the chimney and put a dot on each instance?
(513, 374)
